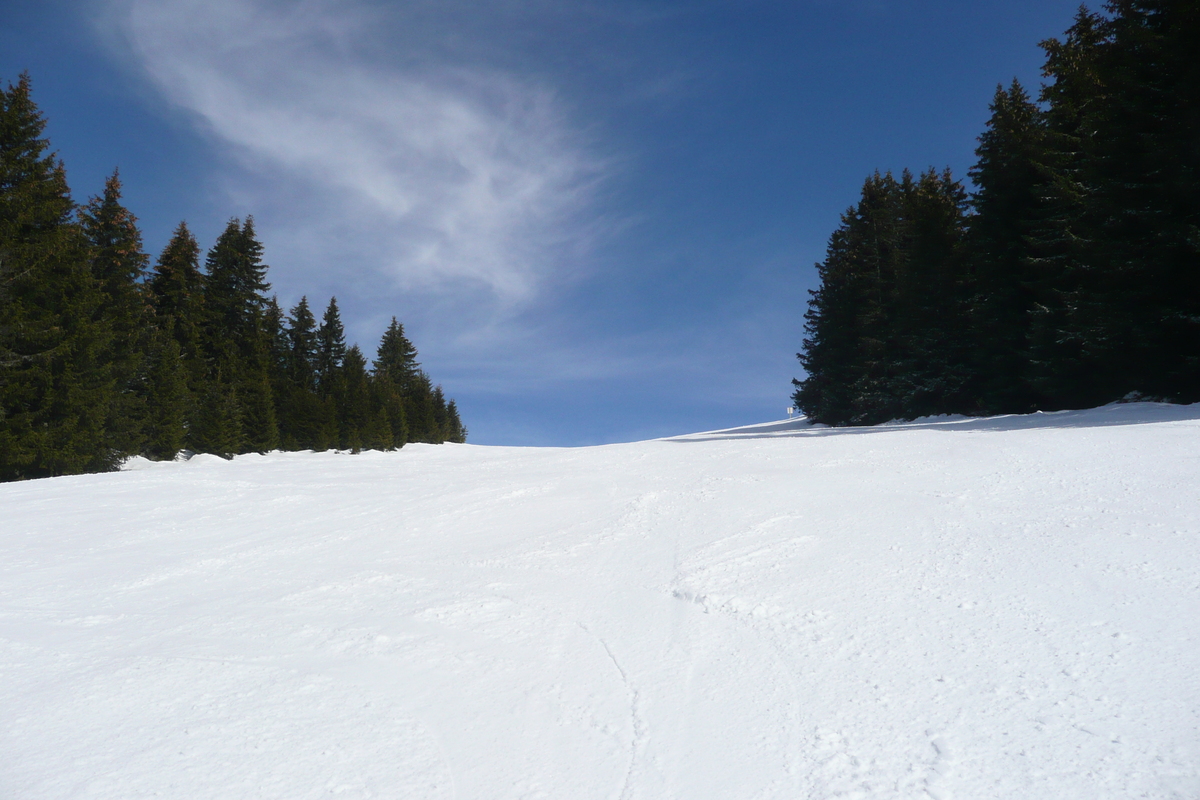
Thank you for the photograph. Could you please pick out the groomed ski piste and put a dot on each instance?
(946, 608)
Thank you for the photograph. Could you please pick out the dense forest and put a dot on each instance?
(1069, 277)
(104, 356)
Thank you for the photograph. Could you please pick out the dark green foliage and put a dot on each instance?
(416, 410)
(170, 404)
(396, 361)
(177, 296)
(1078, 281)
(260, 431)
(218, 427)
(1142, 177)
(456, 431)
(331, 348)
(55, 383)
(1011, 181)
(307, 416)
(885, 328)
(235, 285)
(100, 361)
(239, 343)
(354, 405)
(118, 265)
(302, 346)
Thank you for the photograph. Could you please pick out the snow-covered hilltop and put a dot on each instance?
(972, 609)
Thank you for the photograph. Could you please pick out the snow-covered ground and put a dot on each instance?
(968, 609)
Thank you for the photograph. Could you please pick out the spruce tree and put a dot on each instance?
(396, 360)
(55, 387)
(1010, 181)
(302, 346)
(847, 347)
(238, 344)
(886, 327)
(331, 348)
(177, 294)
(354, 405)
(170, 405)
(119, 265)
(1067, 340)
(1143, 201)
(457, 432)
(930, 370)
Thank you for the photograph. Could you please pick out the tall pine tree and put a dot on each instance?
(119, 265)
(55, 385)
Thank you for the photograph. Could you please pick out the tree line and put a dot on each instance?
(104, 356)
(1069, 277)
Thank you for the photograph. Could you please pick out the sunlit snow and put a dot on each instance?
(950, 608)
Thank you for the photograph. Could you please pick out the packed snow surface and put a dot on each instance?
(951, 608)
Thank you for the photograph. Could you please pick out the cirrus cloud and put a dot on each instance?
(441, 172)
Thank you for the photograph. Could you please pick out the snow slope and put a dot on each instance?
(970, 609)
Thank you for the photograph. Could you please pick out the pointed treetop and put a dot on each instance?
(397, 358)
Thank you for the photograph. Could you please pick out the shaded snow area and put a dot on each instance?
(950, 608)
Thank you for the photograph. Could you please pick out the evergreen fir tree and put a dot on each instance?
(169, 402)
(331, 348)
(354, 406)
(302, 346)
(396, 360)
(119, 265)
(218, 429)
(420, 413)
(55, 387)
(930, 369)
(1010, 180)
(238, 344)
(387, 428)
(457, 433)
(846, 347)
(1143, 201)
(1066, 340)
(236, 282)
(260, 431)
(886, 327)
(176, 293)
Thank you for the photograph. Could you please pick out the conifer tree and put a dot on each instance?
(55, 388)
(331, 348)
(1010, 178)
(885, 328)
(354, 405)
(457, 432)
(218, 428)
(236, 281)
(237, 343)
(275, 330)
(387, 428)
(176, 293)
(396, 360)
(420, 412)
(1065, 334)
(846, 347)
(119, 265)
(309, 418)
(260, 431)
(302, 346)
(1143, 200)
(169, 403)
(929, 372)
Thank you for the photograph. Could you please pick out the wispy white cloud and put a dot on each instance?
(442, 173)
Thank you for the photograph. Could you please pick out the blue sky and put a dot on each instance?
(597, 220)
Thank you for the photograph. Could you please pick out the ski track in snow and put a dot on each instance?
(952, 608)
